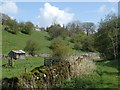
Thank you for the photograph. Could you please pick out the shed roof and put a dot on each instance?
(18, 51)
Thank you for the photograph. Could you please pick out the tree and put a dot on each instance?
(56, 30)
(88, 27)
(107, 37)
(88, 43)
(11, 26)
(27, 27)
(60, 48)
(21, 26)
(31, 47)
(74, 27)
(78, 37)
(83, 42)
(118, 36)
(78, 46)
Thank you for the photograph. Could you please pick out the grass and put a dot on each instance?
(12, 41)
(105, 76)
(17, 42)
(0, 40)
(109, 76)
(19, 66)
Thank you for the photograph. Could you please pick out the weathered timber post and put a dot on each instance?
(10, 62)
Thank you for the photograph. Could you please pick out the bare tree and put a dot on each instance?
(74, 27)
(88, 27)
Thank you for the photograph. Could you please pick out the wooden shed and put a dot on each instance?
(17, 54)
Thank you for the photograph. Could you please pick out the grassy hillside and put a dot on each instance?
(11, 41)
(0, 40)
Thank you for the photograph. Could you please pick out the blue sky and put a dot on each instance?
(45, 13)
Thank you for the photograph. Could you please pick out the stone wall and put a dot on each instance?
(41, 77)
(45, 77)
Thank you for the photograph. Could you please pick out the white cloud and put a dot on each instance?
(102, 9)
(50, 14)
(113, 0)
(8, 7)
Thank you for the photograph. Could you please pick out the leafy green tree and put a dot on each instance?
(11, 26)
(118, 37)
(27, 27)
(107, 37)
(78, 37)
(83, 42)
(31, 47)
(88, 43)
(56, 30)
(60, 48)
(78, 46)
(21, 26)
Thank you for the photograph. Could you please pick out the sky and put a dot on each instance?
(46, 13)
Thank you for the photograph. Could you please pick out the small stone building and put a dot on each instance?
(17, 54)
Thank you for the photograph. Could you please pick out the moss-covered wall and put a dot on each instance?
(41, 77)
(48, 77)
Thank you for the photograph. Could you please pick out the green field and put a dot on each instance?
(0, 41)
(109, 74)
(17, 42)
(106, 75)
(19, 66)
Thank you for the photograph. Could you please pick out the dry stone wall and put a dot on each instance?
(45, 77)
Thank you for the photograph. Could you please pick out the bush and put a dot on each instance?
(56, 30)
(78, 46)
(11, 26)
(60, 48)
(31, 47)
(88, 43)
(26, 28)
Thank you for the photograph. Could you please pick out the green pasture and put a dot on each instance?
(19, 66)
(18, 41)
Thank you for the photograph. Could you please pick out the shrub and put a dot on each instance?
(60, 48)
(26, 28)
(78, 46)
(11, 26)
(31, 47)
